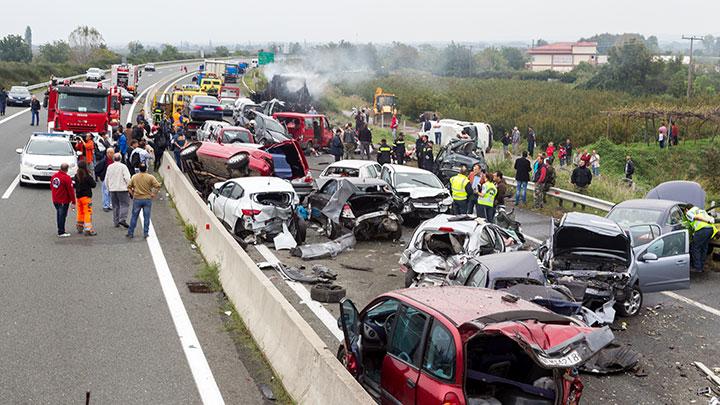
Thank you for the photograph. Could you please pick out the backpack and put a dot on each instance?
(550, 177)
(135, 159)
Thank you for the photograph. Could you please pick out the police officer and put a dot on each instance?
(427, 158)
(701, 226)
(486, 198)
(384, 152)
(460, 188)
(399, 149)
(158, 115)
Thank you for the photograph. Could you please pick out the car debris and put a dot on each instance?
(324, 250)
(423, 194)
(459, 152)
(284, 240)
(614, 358)
(328, 293)
(708, 373)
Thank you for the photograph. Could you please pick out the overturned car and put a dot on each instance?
(458, 152)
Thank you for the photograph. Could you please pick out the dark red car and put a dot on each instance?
(461, 345)
(301, 127)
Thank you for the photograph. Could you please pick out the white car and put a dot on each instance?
(208, 128)
(228, 105)
(241, 111)
(451, 129)
(423, 193)
(42, 156)
(363, 169)
(94, 75)
(257, 206)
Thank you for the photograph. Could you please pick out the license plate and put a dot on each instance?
(426, 205)
(47, 173)
(209, 109)
(569, 360)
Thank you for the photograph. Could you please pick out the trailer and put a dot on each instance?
(127, 76)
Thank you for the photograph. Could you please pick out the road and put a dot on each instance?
(103, 314)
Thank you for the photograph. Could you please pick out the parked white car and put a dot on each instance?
(208, 128)
(423, 194)
(257, 206)
(42, 156)
(451, 129)
(94, 75)
(363, 169)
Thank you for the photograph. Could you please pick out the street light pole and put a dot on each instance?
(692, 39)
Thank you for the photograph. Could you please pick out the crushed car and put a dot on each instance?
(257, 207)
(458, 152)
(438, 245)
(461, 345)
(598, 261)
(367, 207)
(423, 194)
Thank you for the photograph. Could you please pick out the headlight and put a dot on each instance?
(447, 201)
(240, 157)
(27, 163)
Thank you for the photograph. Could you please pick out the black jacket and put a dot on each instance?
(365, 135)
(35, 105)
(84, 188)
(581, 176)
(384, 152)
(101, 168)
(522, 169)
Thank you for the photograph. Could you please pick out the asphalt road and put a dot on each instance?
(88, 314)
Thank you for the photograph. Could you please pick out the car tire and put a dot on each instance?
(328, 293)
(331, 230)
(299, 229)
(632, 304)
(410, 277)
(397, 235)
(341, 355)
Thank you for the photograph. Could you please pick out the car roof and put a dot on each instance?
(406, 169)
(204, 96)
(443, 221)
(263, 183)
(647, 203)
(464, 304)
(509, 263)
(297, 115)
(48, 136)
(352, 163)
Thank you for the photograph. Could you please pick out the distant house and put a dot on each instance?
(563, 56)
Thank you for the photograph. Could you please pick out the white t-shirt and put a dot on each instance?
(595, 160)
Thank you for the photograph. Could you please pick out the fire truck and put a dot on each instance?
(126, 76)
(81, 109)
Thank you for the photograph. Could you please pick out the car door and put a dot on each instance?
(218, 203)
(319, 199)
(350, 325)
(401, 365)
(665, 263)
(231, 209)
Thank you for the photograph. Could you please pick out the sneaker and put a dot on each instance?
(63, 235)
(107, 209)
(90, 233)
(117, 225)
(127, 235)
(124, 224)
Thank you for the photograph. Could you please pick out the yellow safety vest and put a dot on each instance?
(457, 186)
(489, 191)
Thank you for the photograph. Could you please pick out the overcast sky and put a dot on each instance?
(230, 22)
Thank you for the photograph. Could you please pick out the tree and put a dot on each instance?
(14, 49)
(295, 48)
(222, 51)
(515, 57)
(541, 42)
(28, 37)
(83, 41)
(170, 52)
(458, 61)
(491, 60)
(102, 56)
(627, 69)
(55, 52)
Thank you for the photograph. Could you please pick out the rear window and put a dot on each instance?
(229, 136)
(205, 100)
(341, 172)
(626, 217)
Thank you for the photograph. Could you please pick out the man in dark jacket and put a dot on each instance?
(522, 177)
(365, 138)
(3, 100)
(427, 159)
(35, 111)
(629, 169)
(384, 152)
(100, 170)
(63, 194)
(349, 142)
(419, 146)
(336, 145)
(399, 149)
(138, 132)
(160, 139)
(581, 178)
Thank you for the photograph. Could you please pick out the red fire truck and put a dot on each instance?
(126, 76)
(80, 109)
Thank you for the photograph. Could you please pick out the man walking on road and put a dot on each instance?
(142, 187)
(84, 183)
(365, 138)
(117, 178)
(3, 100)
(35, 111)
(522, 177)
(629, 170)
(63, 194)
(348, 142)
(100, 172)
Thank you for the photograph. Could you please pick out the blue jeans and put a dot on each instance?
(106, 196)
(35, 117)
(485, 211)
(438, 138)
(699, 244)
(145, 206)
(61, 211)
(521, 192)
(596, 171)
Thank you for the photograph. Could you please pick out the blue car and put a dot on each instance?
(203, 108)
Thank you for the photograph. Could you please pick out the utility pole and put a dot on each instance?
(692, 39)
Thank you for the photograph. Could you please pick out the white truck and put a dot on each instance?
(451, 129)
(127, 76)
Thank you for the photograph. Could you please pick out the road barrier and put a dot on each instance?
(308, 369)
(575, 198)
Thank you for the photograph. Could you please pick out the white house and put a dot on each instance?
(563, 56)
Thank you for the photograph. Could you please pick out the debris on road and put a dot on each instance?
(356, 267)
(323, 250)
(329, 293)
(614, 358)
(267, 392)
(709, 373)
(284, 240)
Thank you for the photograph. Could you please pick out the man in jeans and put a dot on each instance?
(117, 178)
(63, 194)
(35, 111)
(522, 176)
(143, 187)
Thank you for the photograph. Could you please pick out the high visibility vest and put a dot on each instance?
(697, 223)
(489, 191)
(384, 149)
(457, 186)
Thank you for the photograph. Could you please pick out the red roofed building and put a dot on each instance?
(562, 56)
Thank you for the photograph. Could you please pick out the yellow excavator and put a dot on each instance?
(384, 106)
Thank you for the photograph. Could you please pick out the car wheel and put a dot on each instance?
(342, 358)
(397, 234)
(328, 293)
(632, 304)
(410, 277)
(331, 230)
(298, 227)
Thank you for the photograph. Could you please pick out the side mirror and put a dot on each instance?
(18, 151)
(649, 257)
(216, 191)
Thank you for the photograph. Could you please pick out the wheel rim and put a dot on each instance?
(328, 228)
(632, 304)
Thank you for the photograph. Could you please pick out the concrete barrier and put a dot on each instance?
(307, 367)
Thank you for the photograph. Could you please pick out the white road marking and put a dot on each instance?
(317, 308)
(10, 188)
(686, 300)
(4, 120)
(532, 239)
(137, 99)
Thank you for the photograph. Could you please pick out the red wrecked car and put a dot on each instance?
(302, 128)
(461, 345)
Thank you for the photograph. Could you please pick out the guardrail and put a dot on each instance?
(575, 198)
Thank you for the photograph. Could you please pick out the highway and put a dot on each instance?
(104, 314)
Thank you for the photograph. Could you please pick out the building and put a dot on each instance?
(563, 56)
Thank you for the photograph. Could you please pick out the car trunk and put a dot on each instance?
(362, 204)
(275, 199)
(288, 160)
(527, 362)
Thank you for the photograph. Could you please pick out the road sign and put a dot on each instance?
(265, 57)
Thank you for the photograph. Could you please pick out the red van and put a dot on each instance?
(301, 127)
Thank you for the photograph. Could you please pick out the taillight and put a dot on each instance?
(308, 178)
(446, 229)
(451, 398)
(250, 213)
(218, 108)
(351, 363)
(347, 211)
(197, 107)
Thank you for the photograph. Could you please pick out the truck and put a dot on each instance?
(231, 73)
(127, 76)
(80, 109)
(242, 66)
(384, 107)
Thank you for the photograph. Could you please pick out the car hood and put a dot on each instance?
(423, 192)
(688, 192)
(575, 237)
(53, 162)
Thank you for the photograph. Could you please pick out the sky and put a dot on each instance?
(378, 21)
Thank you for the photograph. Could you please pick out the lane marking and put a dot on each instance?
(686, 300)
(532, 239)
(10, 188)
(203, 376)
(317, 308)
(14, 115)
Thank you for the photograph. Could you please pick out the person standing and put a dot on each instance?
(35, 111)
(394, 126)
(399, 149)
(531, 141)
(384, 152)
(585, 157)
(550, 151)
(515, 141)
(539, 179)
(701, 227)
(581, 178)
(84, 183)
(662, 135)
(360, 120)
(501, 190)
(160, 143)
(506, 141)
(178, 144)
(674, 134)
(142, 187)
(336, 145)
(460, 188)
(629, 169)
(419, 147)
(117, 178)
(317, 137)
(562, 155)
(349, 141)
(63, 194)
(522, 177)
(549, 177)
(365, 138)
(3, 100)
(475, 176)
(89, 148)
(486, 199)
(427, 159)
(568, 151)
(100, 172)
(595, 163)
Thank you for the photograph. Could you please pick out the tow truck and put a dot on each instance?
(80, 109)
(127, 76)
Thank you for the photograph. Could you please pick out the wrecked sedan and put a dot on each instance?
(438, 245)
(257, 207)
(459, 152)
(461, 345)
(367, 207)
(423, 194)
(595, 258)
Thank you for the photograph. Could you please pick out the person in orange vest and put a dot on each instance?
(84, 183)
(87, 147)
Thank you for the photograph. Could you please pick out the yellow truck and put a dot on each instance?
(171, 102)
(210, 84)
(384, 106)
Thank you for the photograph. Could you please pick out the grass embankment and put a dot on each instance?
(15, 73)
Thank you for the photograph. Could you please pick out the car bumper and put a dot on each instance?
(302, 189)
(227, 113)
(425, 210)
(33, 176)
(24, 103)
(206, 115)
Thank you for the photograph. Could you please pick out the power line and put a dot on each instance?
(692, 39)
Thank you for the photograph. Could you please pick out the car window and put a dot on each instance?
(227, 190)
(440, 353)
(236, 192)
(478, 278)
(371, 171)
(341, 172)
(407, 335)
(465, 271)
(386, 176)
(644, 234)
(498, 242)
(675, 217)
(329, 187)
(669, 245)
(49, 148)
(309, 123)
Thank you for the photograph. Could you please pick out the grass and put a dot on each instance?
(190, 232)
(210, 273)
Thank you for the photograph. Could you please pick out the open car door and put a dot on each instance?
(350, 325)
(664, 264)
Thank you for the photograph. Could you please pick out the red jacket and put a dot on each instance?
(62, 189)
